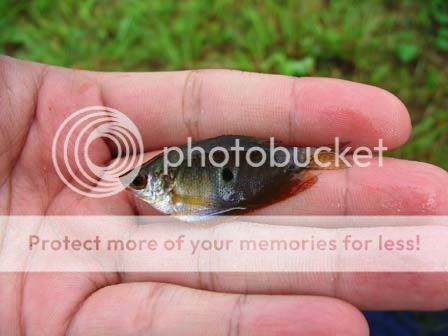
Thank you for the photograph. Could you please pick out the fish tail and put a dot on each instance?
(323, 160)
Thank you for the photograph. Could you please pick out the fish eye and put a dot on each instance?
(227, 175)
(139, 182)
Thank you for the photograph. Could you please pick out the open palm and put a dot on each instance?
(168, 107)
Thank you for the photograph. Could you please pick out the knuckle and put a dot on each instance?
(192, 99)
(235, 325)
(432, 195)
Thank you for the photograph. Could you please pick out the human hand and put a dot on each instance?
(168, 107)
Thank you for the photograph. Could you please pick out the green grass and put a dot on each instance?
(401, 46)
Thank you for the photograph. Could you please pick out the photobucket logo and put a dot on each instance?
(73, 142)
(323, 157)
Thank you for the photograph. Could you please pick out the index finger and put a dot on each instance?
(170, 106)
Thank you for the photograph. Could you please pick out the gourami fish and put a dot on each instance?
(197, 188)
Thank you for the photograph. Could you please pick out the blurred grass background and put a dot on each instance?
(401, 46)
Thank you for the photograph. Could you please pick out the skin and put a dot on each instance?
(167, 107)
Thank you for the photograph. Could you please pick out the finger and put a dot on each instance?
(29, 297)
(170, 106)
(360, 278)
(158, 309)
(420, 291)
(397, 187)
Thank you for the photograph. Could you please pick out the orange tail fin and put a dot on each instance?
(325, 160)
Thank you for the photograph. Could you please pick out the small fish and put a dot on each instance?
(199, 189)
